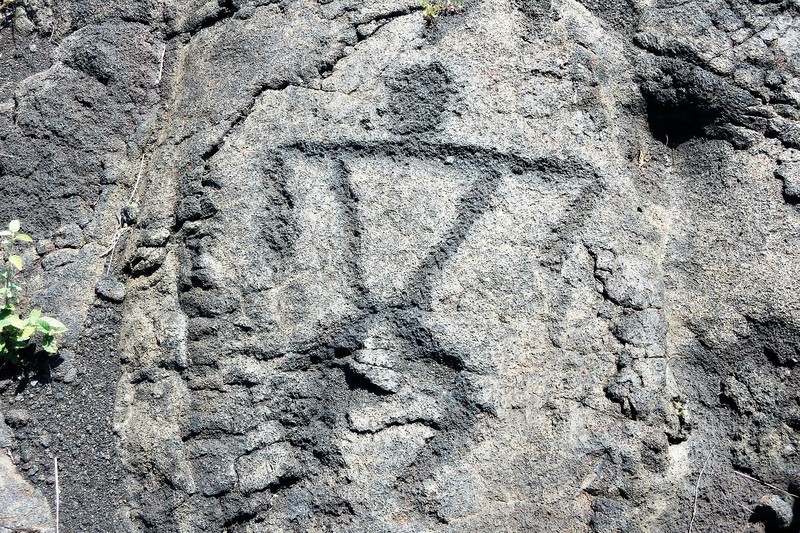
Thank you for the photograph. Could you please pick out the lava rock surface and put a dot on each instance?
(534, 266)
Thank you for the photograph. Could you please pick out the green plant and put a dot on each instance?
(18, 331)
(433, 8)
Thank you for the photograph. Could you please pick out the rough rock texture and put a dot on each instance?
(327, 267)
(23, 506)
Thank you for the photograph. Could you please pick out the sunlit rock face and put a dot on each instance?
(533, 266)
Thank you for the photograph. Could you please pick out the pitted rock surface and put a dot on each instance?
(328, 267)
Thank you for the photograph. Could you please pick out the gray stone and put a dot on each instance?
(775, 511)
(384, 378)
(266, 468)
(635, 283)
(215, 474)
(790, 174)
(45, 246)
(59, 258)
(22, 24)
(24, 506)
(154, 238)
(642, 328)
(398, 410)
(6, 435)
(524, 265)
(69, 236)
(17, 418)
(110, 289)
(147, 259)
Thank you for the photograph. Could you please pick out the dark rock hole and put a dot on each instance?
(675, 122)
(356, 381)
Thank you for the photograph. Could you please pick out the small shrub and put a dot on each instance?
(434, 8)
(16, 330)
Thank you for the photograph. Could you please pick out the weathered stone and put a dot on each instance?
(110, 289)
(69, 236)
(17, 418)
(154, 238)
(385, 379)
(5, 435)
(22, 24)
(266, 468)
(635, 283)
(24, 507)
(59, 258)
(790, 174)
(775, 512)
(527, 264)
(215, 474)
(45, 246)
(642, 328)
(70, 375)
(147, 259)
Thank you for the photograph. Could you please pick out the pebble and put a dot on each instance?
(45, 246)
(25, 454)
(70, 376)
(110, 289)
(69, 236)
(17, 418)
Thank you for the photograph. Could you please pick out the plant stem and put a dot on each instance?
(7, 281)
(10, 271)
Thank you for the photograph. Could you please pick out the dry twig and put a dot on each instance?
(161, 64)
(770, 485)
(121, 228)
(58, 492)
(697, 491)
(138, 179)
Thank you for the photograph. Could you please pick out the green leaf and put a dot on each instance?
(8, 355)
(52, 324)
(34, 316)
(26, 333)
(16, 261)
(49, 344)
(13, 226)
(12, 320)
(21, 237)
(5, 233)
(18, 345)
